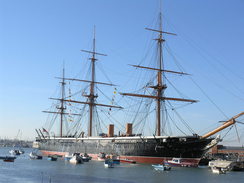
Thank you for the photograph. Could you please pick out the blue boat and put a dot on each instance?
(52, 158)
(108, 163)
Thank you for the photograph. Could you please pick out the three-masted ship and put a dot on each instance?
(143, 149)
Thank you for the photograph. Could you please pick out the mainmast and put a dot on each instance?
(92, 85)
(160, 88)
(160, 84)
(62, 108)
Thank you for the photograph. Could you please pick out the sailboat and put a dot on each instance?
(17, 148)
(153, 149)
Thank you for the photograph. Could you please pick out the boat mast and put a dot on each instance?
(160, 85)
(62, 108)
(91, 96)
(160, 88)
(92, 85)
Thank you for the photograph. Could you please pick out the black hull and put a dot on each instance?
(161, 147)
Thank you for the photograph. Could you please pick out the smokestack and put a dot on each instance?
(128, 129)
(111, 130)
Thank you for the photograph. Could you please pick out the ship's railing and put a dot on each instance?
(119, 138)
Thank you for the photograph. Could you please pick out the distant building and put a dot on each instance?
(221, 149)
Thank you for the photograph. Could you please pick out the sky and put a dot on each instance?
(38, 36)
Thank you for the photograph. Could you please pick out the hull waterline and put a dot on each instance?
(153, 150)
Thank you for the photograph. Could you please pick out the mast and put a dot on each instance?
(62, 108)
(160, 83)
(92, 85)
(91, 96)
(160, 89)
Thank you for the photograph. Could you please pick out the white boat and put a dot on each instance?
(218, 170)
(179, 162)
(108, 163)
(34, 155)
(161, 167)
(222, 164)
(21, 151)
(14, 152)
(76, 159)
(67, 157)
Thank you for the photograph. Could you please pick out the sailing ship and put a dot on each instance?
(135, 147)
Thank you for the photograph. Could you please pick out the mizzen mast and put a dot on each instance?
(62, 108)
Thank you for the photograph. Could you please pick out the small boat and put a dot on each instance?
(34, 155)
(115, 159)
(67, 157)
(108, 163)
(224, 164)
(238, 166)
(86, 157)
(162, 167)
(179, 162)
(218, 170)
(101, 156)
(52, 158)
(76, 159)
(8, 158)
(14, 152)
(21, 151)
(127, 161)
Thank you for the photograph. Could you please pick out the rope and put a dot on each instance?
(176, 125)
(183, 121)
(227, 131)
(204, 93)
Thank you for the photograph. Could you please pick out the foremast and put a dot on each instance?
(62, 107)
(160, 86)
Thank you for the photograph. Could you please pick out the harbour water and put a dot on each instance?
(24, 170)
